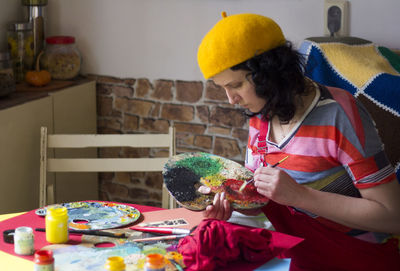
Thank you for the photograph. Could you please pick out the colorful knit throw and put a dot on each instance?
(371, 73)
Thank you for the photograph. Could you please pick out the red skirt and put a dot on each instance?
(326, 249)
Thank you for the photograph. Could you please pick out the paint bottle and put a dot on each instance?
(155, 262)
(115, 263)
(44, 260)
(57, 225)
(23, 241)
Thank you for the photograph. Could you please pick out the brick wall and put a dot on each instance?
(200, 112)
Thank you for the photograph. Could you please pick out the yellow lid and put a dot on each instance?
(115, 263)
(57, 211)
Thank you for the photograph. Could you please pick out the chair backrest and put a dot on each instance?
(77, 141)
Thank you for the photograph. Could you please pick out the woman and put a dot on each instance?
(337, 189)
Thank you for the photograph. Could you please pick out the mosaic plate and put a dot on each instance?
(96, 215)
(185, 173)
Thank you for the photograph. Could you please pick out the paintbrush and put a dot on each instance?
(91, 232)
(160, 238)
(161, 230)
(245, 183)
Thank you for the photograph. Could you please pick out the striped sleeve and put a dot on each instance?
(361, 149)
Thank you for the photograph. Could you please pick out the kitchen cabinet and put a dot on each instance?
(70, 109)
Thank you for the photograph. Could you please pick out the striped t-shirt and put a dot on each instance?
(335, 148)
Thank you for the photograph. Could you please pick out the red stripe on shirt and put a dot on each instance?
(301, 162)
(331, 133)
(348, 103)
(363, 168)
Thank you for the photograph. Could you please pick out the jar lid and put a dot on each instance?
(34, 2)
(60, 40)
(57, 211)
(43, 257)
(20, 26)
(115, 263)
(23, 231)
(155, 260)
(4, 56)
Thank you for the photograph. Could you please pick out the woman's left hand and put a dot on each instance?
(220, 209)
(277, 185)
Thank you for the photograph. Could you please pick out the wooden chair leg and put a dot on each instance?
(43, 167)
(165, 198)
(172, 203)
(168, 202)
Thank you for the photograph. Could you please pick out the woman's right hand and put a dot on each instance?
(220, 209)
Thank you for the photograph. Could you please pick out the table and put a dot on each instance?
(9, 261)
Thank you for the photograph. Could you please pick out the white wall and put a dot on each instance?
(159, 38)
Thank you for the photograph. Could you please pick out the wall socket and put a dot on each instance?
(336, 19)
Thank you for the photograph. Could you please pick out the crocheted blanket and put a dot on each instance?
(371, 73)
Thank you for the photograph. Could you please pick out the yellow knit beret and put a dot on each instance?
(237, 38)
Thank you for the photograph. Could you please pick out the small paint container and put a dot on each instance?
(57, 225)
(155, 262)
(115, 263)
(23, 241)
(44, 260)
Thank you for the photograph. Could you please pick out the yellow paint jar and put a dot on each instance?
(57, 225)
(115, 264)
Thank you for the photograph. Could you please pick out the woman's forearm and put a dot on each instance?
(371, 214)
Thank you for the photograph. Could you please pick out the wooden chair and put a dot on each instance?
(76, 141)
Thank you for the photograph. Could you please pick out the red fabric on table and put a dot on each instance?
(30, 219)
(215, 244)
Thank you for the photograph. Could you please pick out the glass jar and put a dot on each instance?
(154, 262)
(61, 58)
(21, 48)
(34, 11)
(7, 82)
(43, 260)
(115, 263)
(24, 241)
(57, 225)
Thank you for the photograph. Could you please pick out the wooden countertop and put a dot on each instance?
(25, 93)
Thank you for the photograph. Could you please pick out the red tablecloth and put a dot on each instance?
(30, 219)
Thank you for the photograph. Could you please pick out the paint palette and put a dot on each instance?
(86, 215)
(194, 178)
(89, 257)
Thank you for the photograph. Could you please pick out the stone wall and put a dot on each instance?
(200, 112)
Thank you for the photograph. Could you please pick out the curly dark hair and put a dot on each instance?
(278, 78)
